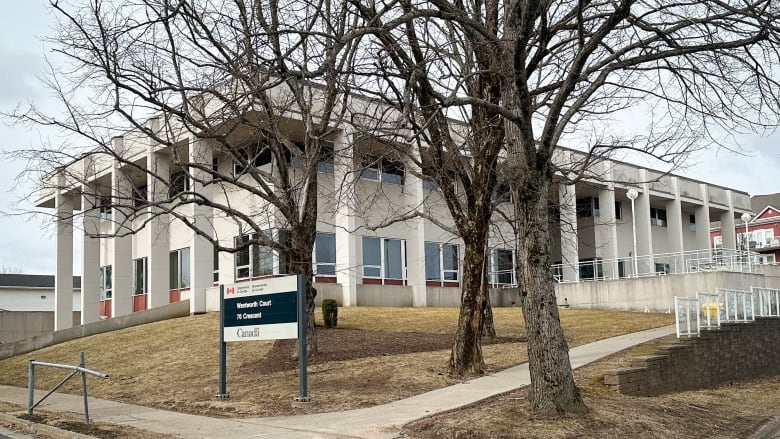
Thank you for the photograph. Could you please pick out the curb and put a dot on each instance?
(30, 427)
(770, 430)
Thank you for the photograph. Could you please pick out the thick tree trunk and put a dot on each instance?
(553, 390)
(466, 356)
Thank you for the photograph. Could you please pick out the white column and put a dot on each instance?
(702, 214)
(567, 200)
(63, 275)
(674, 217)
(415, 243)
(347, 268)
(727, 224)
(90, 255)
(157, 233)
(201, 250)
(121, 259)
(644, 232)
(606, 232)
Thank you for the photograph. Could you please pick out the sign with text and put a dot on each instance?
(261, 310)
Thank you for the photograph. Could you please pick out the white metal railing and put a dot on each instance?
(692, 261)
(710, 310)
(768, 301)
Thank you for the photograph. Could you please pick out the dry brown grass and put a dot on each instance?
(174, 364)
(734, 410)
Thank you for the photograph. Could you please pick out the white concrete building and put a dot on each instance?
(159, 260)
(33, 292)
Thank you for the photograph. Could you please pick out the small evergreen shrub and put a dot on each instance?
(330, 313)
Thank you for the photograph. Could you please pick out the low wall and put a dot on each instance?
(173, 310)
(18, 325)
(385, 295)
(654, 294)
(736, 351)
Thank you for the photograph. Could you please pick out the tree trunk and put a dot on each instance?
(553, 390)
(466, 356)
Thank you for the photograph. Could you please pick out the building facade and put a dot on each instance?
(760, 233)
(154, 258)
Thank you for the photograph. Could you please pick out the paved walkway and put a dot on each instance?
(379, 422)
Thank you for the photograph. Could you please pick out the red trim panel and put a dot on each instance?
(325, 279)
(174, 296)
(139, 302)
(105, 308)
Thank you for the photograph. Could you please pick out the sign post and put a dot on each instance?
(267, 309)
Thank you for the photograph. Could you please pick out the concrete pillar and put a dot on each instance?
(702, 214)
(606, 232)
(121, 228)
(644, 232)
(157, 233)
(567, 200)
(674, 225)
(63, 274)
(347, 267)
(201, 250)
(90, 255)
(415, 243)
(727, 224)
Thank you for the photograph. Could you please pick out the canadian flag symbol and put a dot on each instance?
(231, 290)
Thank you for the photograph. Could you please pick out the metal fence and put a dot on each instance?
(768, 301)
(710, 310)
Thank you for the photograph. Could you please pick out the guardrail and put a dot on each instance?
(80, 369)
(709, 311)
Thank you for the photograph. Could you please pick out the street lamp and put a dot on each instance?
(745, 219)
(632, 194)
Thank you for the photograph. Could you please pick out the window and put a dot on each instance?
(441, 262)
(325, 254)
(179, 269)
(591, 269)
(383, 170)
(257, 260)
(761, 238)
(139, 196)
(384, 258)
(215, 164)
(658, 217)
(585, 207)
(717, 241)
(216, 264)
(180, 183)
(140, 277)
(692, 223)
(662, 268)
(104, 282)
(596, 210)
(502, 267)
(325, 162)
(622, 269)
(256, 155)
(618, 210)
(105, 208)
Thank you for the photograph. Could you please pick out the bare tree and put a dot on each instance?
(526, 75)
(261, 84)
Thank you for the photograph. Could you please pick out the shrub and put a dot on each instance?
(330, 313)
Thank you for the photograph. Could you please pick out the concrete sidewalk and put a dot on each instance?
(384, 421)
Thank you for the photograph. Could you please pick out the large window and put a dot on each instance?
(325, 162)
(383, 170)
(325, 254)
(658, 217)
(140, 196)
(256, 155)
(179, 269)
(104, 282)
(692, 223)
(180, 183)
(441, 262)
(384, 258)
(257, 260)
(105, 208)
(717, 241)
(502, 267)
(140, 276)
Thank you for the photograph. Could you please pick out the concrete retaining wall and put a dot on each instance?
(173, 310)
(18, 325)
(737, 351)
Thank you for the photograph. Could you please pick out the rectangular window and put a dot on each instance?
(325, 254)
(105, 208)
(256, 155)
(383, 170)
(140, 277)
(621, 269)
(618, 210)
(717, 241)
(179, 269)
(256, 260)
(441, 262)
(502, 267)
(662, 268)
(139, 196)
(658, 217)
(596, 210)
(692, 223)
(584, 207)
(180, 183)
(105, 282)
(384, 258)
(216, 264)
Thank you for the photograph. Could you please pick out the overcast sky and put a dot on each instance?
(26, 245)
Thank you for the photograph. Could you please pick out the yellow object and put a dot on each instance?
(711, 308)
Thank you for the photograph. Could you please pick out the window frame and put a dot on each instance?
(179, 183)
(442, 271)
(383, 263)
(263, 261)
(316, 263)
(141, 263)
(105, 283)
(105, 208)
(658, 217)
(180, 270)
(383, 170)
(495, 272)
